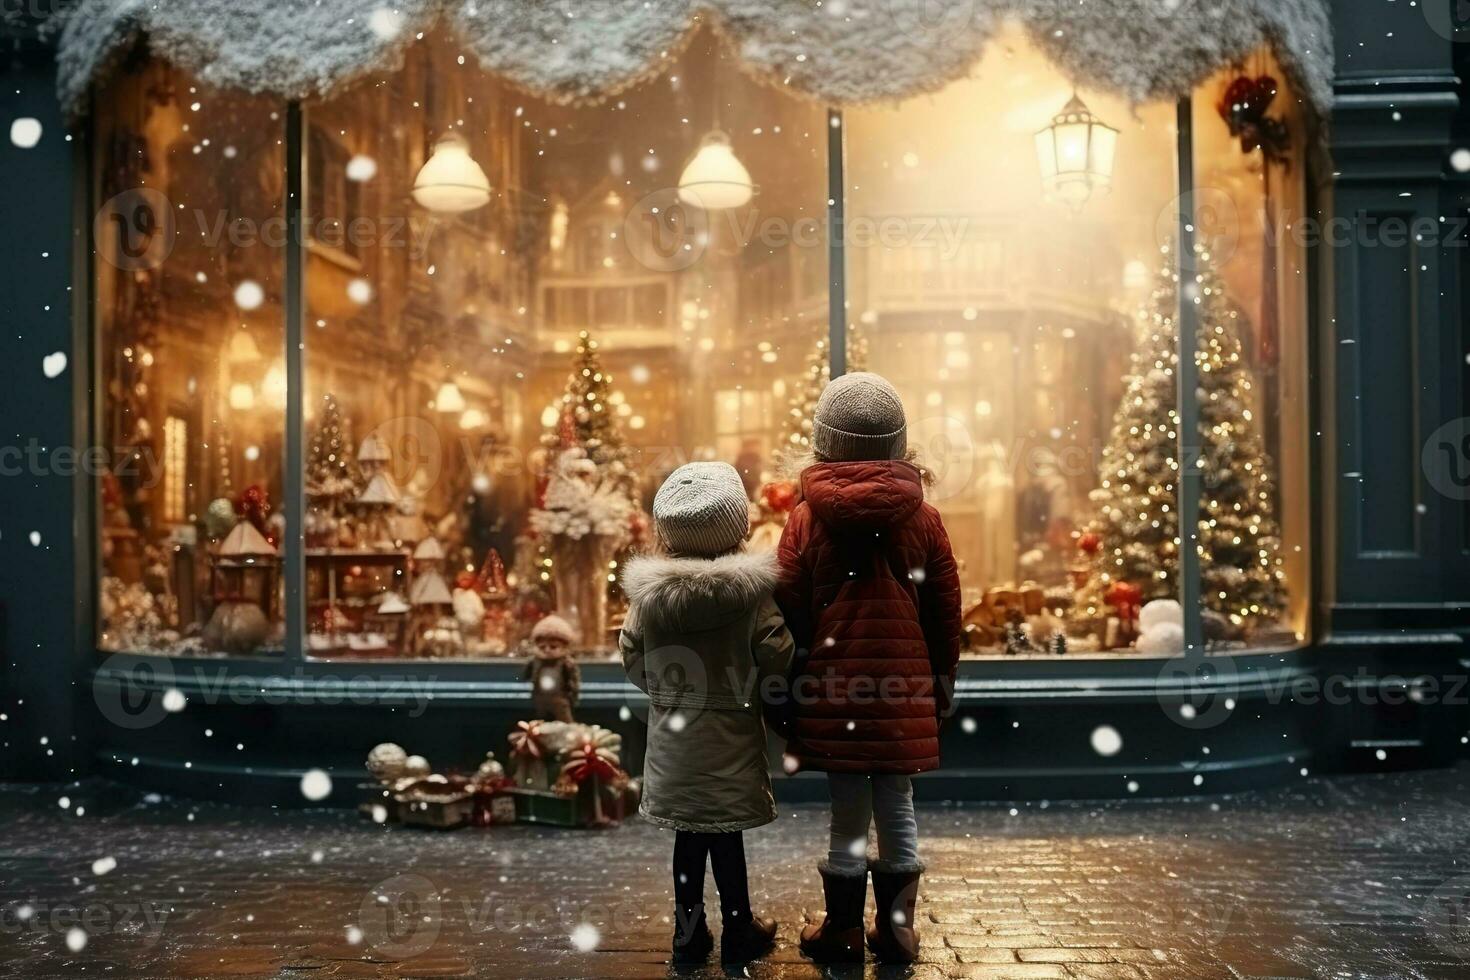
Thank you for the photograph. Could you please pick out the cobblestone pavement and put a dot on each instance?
(1353, 877)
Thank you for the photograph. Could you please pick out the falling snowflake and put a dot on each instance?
(76, 939)
(316, 785)
(676, 722)
(174, 701)
(360, 291)
(385, 23)
(249, 295)
(1460, 160)
(362, 168)
(585, 937)
(858, 847)
(354, 936)
(53, 364)
(967, 725)
(25, 133)
(103, 865)
(1106, 740)
(35, 539)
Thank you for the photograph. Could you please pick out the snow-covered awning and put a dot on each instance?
(837, 51)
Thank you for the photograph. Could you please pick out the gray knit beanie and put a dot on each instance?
(702, 509)
(859, 416)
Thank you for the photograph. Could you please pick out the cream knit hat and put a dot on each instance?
(702, 509)
(859, 416)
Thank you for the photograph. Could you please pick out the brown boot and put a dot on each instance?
(893, 938)
(839, 939)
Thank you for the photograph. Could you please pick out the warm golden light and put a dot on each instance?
(1076, 154)
(450, 181)
(715, 179)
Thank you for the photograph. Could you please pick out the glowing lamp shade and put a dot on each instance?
(449, 400)
(715, 179)
(242, 397)
(1076, 154)
(450, 181)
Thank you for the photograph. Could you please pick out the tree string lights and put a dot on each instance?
(1136, 515)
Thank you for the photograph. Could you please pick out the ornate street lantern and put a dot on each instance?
(1076, 154)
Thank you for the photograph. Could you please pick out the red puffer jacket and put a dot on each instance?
(869, 588)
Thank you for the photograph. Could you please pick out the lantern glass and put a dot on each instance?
(1075, 154)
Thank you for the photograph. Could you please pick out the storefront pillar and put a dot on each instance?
(1391, 377)
(45, 401)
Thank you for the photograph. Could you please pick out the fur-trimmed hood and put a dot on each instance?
(697, 593)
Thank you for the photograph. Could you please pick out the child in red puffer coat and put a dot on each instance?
(870, 591)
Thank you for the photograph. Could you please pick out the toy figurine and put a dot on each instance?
(556, 683)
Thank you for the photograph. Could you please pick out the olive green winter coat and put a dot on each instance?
(701, 637)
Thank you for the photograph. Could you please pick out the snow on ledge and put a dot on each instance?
(840, 52)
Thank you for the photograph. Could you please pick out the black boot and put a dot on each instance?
(692, 939)
(746, 938)
(894, 938)
(839, 938)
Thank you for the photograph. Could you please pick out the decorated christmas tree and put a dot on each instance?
(331, 473)
(1136, 523)
(796, 435)
(588, 517)
(586, 420)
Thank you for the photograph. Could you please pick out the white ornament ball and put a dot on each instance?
(1159, 611)
(416, 765)
(1163, 638)
(386, 761)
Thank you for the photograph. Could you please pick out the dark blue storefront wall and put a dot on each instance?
(1378, 687)
(42, 578)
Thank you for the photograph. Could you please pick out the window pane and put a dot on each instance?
(451, 337)
(1016, 316)
(189, 304)
(1254, 564)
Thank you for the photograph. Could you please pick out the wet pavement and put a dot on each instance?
(1350, 877)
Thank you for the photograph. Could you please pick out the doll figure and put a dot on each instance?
(556, 683)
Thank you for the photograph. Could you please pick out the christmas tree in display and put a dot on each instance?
(1136, 514)
(330, 470)
(585, 418)
(796, 435)
(588, 516)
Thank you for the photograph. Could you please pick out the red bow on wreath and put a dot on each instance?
(1243, 107)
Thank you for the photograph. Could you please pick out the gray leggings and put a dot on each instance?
(859, 801)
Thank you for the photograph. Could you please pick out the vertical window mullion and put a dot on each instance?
(836, 253)
(1189, 441)
(294, 557)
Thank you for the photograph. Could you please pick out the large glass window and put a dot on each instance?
(189, 260)
(1252, 357)
(1014, 315)
(520, 315)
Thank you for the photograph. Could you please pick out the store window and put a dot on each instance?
(189, 262)
(516, 327)
(1251, 132)
(520, 315)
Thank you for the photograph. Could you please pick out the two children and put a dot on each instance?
(865, 624)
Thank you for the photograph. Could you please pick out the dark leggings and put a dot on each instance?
(727, 857)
